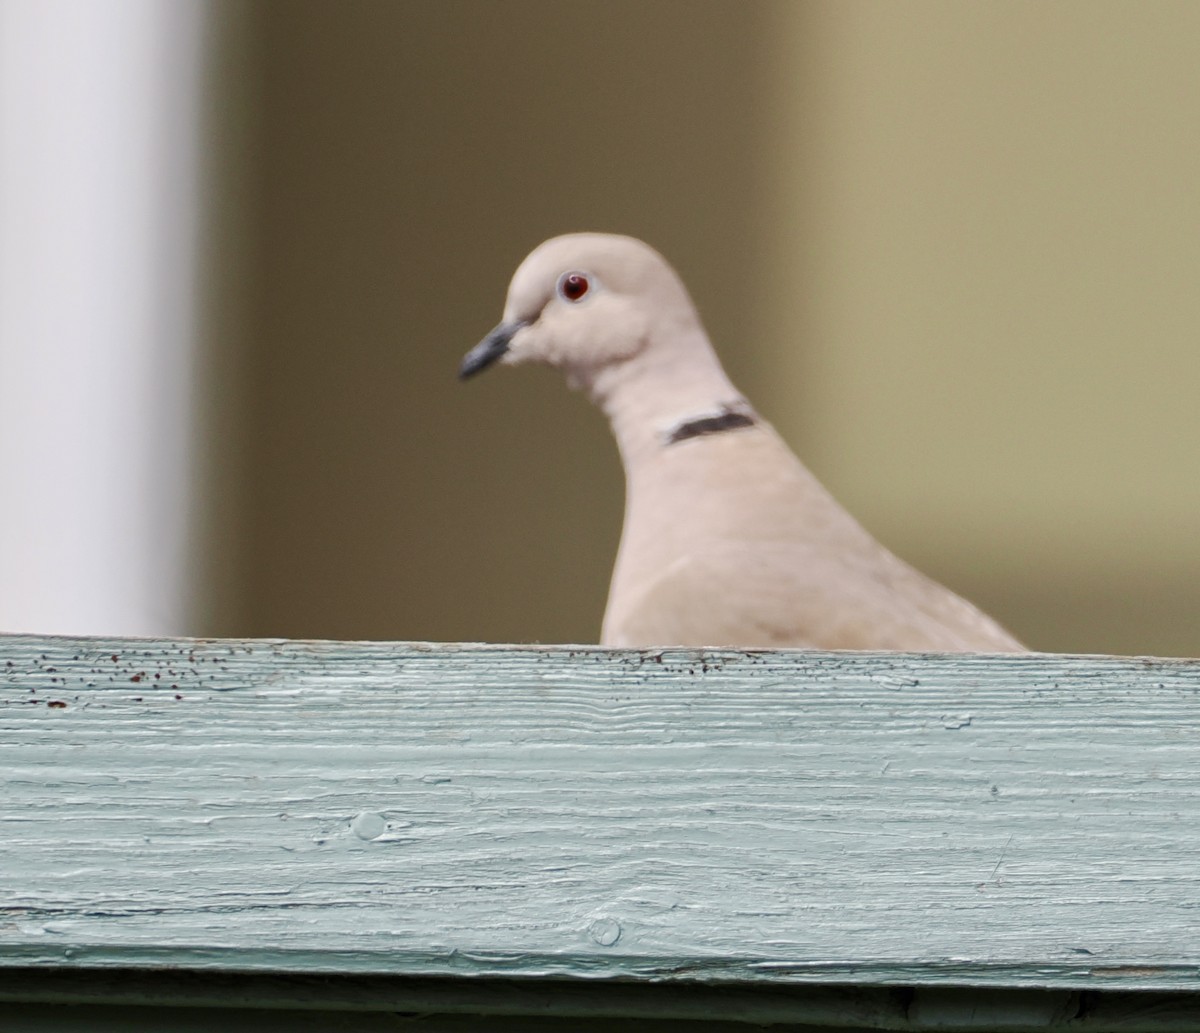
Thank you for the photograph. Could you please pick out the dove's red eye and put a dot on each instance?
(573, 286)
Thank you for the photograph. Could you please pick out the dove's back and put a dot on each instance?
(730, 541)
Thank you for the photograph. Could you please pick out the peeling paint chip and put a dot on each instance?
(368, 825)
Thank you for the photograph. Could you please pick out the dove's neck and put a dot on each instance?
(661, 390)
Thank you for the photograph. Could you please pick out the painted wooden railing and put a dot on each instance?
(872, 841)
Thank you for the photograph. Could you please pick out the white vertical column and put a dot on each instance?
(99, 129)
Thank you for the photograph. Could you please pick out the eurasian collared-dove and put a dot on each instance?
(728, 539)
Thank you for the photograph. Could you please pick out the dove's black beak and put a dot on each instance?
(488, 350)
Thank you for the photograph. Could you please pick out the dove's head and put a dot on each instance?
(586, 303)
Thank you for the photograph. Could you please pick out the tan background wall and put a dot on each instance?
(952, 250)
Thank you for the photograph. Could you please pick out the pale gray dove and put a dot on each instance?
(728, 539)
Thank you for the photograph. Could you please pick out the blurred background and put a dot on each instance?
(951, 250)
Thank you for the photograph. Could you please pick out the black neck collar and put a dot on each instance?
(728, 417)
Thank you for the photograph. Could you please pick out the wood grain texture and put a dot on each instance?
(777, 819)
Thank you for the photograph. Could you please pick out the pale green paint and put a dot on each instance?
(769, 823)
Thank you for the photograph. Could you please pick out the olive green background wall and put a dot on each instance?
(951, 250)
